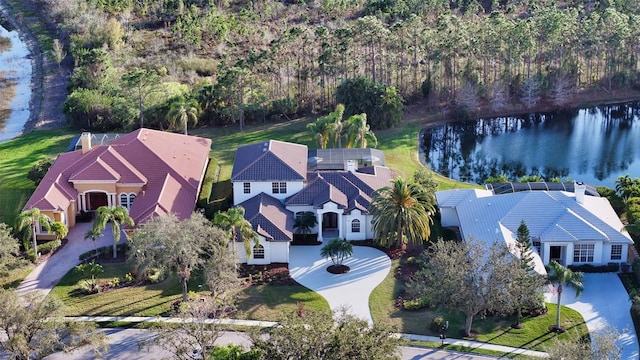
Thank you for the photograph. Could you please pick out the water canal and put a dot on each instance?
(15, 83)
(594, 145)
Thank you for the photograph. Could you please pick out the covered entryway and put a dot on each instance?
(557, 254)
(95, 200)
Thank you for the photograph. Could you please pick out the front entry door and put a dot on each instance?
(329, 221)
(555, 254)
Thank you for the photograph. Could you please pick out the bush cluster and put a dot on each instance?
(44, 248)
(104, 251)
(588, 268)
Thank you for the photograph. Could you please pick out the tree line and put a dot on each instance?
(259, 61)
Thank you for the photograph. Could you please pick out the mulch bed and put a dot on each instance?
(338, 269)
(276, 274)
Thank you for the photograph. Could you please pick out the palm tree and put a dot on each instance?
(402, 214)
(359, 132)
(561, 276)
(27, 221)
(234, 222)
(59, 229)
(320, 130)
(93, 234)
(182, 110)
(336, 125)
(338, 250)
(304, 222)
(116, 216)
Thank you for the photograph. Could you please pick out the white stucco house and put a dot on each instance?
(275, 181)
(567, 226)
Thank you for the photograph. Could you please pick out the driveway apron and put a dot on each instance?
(604, 302)
(351, 291)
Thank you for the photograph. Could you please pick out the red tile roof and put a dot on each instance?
(169, 165)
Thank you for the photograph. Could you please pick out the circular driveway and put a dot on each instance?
(369, 267)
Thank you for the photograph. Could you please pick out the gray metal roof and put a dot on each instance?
(270, 161)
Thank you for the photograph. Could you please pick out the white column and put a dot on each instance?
(83, 202)
(108, 200)
(545, 253)
(319, 220)
(340, 226)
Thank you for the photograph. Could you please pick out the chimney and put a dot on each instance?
(579, 189)
(351, 166)
(85, 140)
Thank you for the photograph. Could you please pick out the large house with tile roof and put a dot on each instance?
(149, 172)
(571, 228)
(275, 181)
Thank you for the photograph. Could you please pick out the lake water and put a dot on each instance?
(16, 65)
(593, 145)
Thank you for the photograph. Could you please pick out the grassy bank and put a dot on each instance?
(17, 156)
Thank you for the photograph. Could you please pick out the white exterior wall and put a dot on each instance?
(258, 187)
(606, 253)
(274, 252)
(348, 234)
(297, 209)
(449, 217)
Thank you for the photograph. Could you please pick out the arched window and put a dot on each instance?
(258, 252)
(355, 226)
(132, 197)
(124, 200)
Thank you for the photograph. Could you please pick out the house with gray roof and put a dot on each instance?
(275, 181)
(571, 228)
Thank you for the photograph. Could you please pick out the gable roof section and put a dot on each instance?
(269, 218)
(346, 189)
(270, 161)
(169, 166)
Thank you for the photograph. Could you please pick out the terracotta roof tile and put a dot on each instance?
(170, 165)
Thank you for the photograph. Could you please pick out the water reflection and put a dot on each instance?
(593, 145)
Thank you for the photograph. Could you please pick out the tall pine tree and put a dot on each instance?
(523, 247)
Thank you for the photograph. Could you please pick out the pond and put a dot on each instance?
(594, 145)
(15, 84)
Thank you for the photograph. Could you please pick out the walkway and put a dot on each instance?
(369, 267)
(604, 302)
(48, 273)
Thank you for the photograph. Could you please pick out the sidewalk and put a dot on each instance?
(410, 337)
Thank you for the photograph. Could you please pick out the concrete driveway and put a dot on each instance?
(369, 267)
(47, 274)
(604, 302)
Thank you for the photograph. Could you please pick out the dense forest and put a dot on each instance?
(219, 62)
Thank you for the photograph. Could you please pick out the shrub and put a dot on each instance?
(417, 304)
(636, 270)
(588, 268)
(44, 248)
(37, 171)
(635, 313)
(437, 323)
(287, 107)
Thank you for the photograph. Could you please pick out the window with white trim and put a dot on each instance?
(124, 200)
(616, 252)
(258, 252)
(132, 197)
(583, 252)
(279, 187)
(246, 188)
(355, 226)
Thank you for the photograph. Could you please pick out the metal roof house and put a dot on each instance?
(276, 181)
(567, 227)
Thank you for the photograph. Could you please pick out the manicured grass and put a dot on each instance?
(258, 303)
(17, 156)
(494, 330)
(12, 278)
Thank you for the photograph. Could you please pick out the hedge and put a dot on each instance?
(588, 268)
(104, 251)
(44, 248)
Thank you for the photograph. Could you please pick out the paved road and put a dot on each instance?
(124, 344)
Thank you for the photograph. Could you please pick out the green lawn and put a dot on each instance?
(12, 278)
(493, 330)
(16, 158)
(256, 302)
